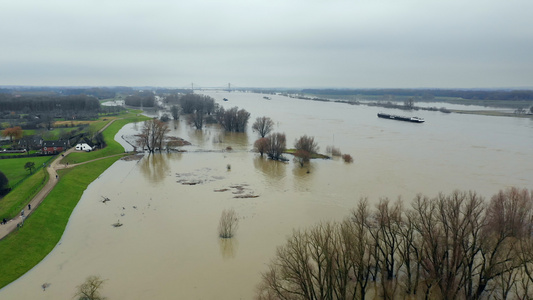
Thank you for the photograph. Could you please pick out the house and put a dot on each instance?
(33, 142)
(85, 145)
(54, 147)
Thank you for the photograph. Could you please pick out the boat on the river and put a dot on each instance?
(401, 118)
(225, 99)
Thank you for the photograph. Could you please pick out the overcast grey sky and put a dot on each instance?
(268, 43)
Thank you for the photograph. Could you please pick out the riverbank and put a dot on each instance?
(27, 246)
(491, 113)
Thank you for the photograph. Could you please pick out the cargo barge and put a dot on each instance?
(401, 118)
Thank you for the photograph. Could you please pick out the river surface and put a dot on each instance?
(170, 204)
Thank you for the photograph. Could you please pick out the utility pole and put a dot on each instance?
(192, 87)
(229, 87)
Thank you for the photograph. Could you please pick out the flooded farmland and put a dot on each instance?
(169, 205)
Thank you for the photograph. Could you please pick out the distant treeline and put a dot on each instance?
(97, 92)
(144, 99)
(430, 93)
(17, 103)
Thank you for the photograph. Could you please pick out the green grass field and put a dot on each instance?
(27, 246)
(14, 170)
(18, 198)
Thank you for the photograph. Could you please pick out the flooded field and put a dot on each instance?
(169, 205)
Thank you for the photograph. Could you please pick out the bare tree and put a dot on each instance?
(233, 119)
(90, 289)
(306, 143)
(174, 110)
(508, 215)
(228, 223)
(276, 145)
(361, 249)
(409, 103)
(302, 157)
(197, 118)
(453, 246)
(305, 147)
(152, 135)
(261, 145)
(263, 126)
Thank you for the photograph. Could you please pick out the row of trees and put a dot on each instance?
(144, 99)
(191, 103)
(34, 104)
(233, 119)
(455, 246)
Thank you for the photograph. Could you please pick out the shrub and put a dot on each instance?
(334, 151)
(228, 223)
(347, 158)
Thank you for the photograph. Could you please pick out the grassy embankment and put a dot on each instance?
(23, 249)
(313, 155)
(25, 189)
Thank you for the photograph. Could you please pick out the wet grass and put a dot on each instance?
(27, 246)
(313, 156)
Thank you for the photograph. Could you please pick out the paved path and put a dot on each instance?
(52, 181)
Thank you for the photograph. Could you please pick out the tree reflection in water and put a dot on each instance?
(228, 247)
(155, 167)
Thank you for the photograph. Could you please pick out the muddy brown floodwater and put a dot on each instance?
(169, 205)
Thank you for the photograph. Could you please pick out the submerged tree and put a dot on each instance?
(152, 135)
(261, 145)
(233, 119)
(277, 144)
(263, 126)
(305, 147)
(453, 246)
(174, 110)
(90, 289)
(228, 223)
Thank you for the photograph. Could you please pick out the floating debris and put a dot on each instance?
(240, 190)
(189, 182)
(45, 285)
(246, 196)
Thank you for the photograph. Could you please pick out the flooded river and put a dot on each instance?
(170, 204)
